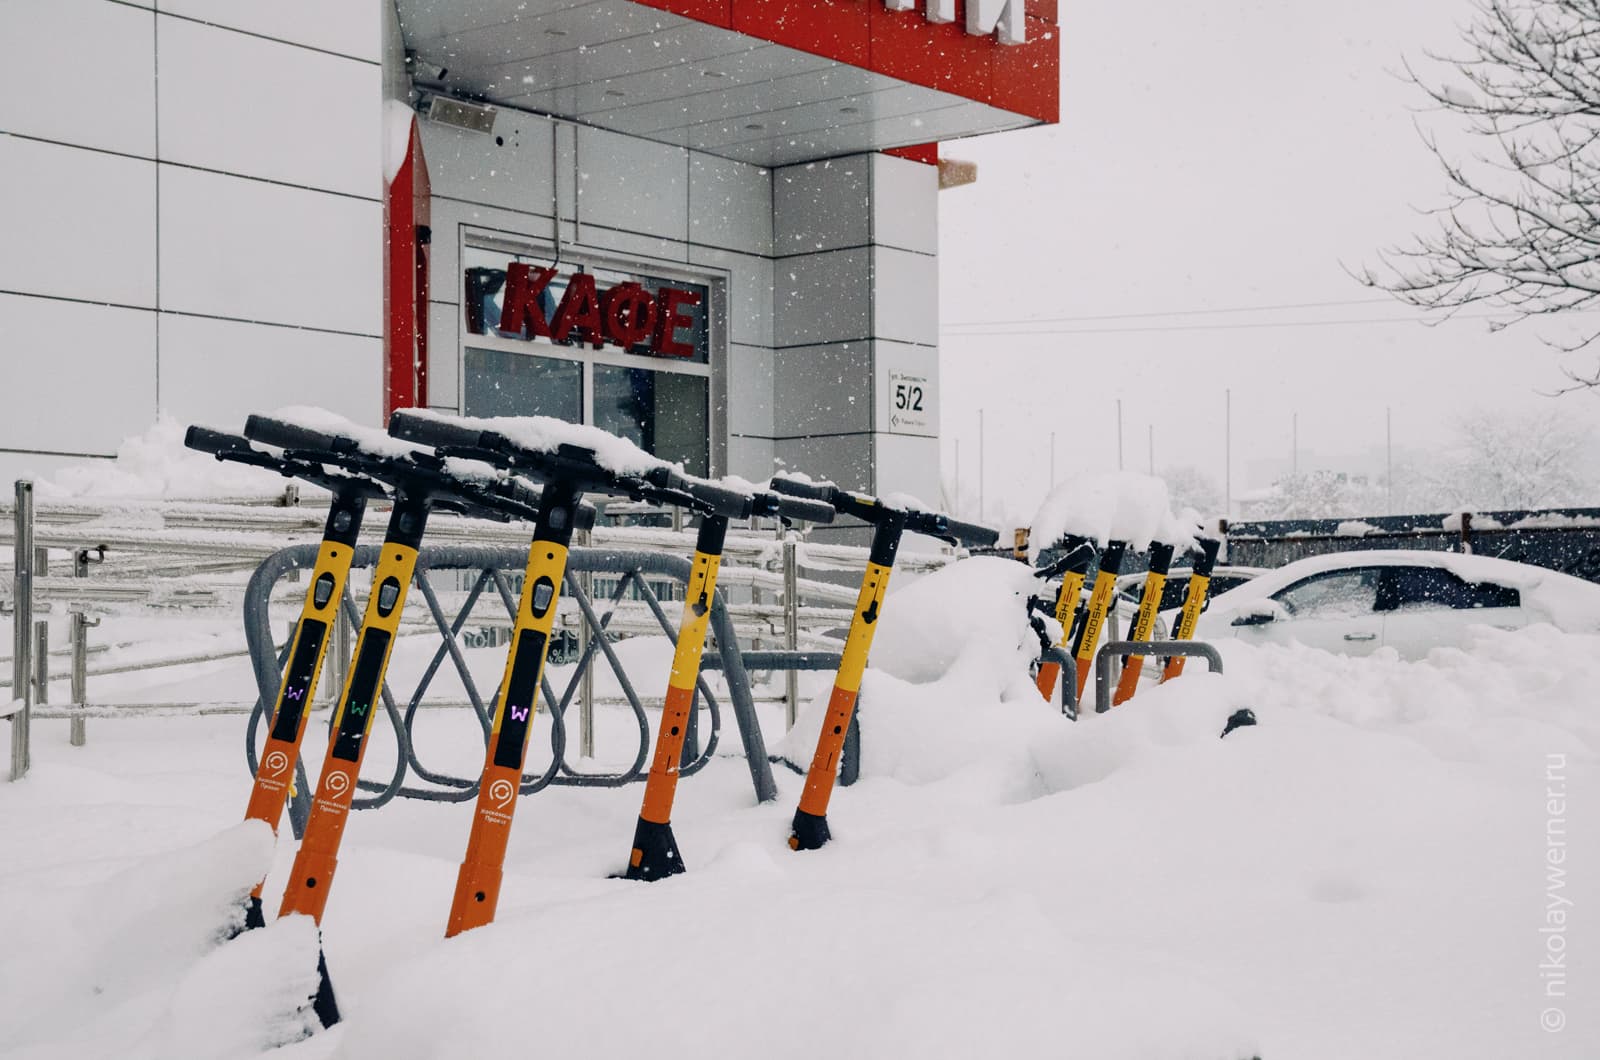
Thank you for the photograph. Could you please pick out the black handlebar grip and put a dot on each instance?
(516, 490)
(206, 440)
(811, 491)
(809, 511)
(283, 435)
(732, 503)
(969, 534)
(427, 430)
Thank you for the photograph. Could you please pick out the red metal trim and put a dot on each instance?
(927, 154)
(405, 279)
(1022, 78)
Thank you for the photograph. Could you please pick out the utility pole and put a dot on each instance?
(1388, 459)
(1119, 434)
(980, 465)
(1227, 451)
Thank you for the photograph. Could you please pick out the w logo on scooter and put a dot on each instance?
(501, 792)
(275, 762)
(336, 783)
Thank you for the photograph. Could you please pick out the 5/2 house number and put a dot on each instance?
(908, 396)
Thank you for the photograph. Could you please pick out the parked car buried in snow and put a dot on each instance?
(1354, 603)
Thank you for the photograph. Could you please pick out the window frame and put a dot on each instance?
(1375, 572)
(473, 239)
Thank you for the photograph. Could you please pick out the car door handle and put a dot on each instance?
(1360, 636)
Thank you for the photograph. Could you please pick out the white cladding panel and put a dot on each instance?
(730, 204)
(513, 173)
(905, 296)
(823, 297)
(824, 389)
(905, 204)
(346, 27)
(218, 371)
(79, 72)
(244, 249)
(77, 223)
(750, 391)
(86, 376)
(633, 185)
(823, 205)
(260, 108)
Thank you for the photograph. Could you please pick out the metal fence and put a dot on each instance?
(167, 559)
(1563, 539)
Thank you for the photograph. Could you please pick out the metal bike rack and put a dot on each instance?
(630, 567)
(1068, 682)
(1194, 649)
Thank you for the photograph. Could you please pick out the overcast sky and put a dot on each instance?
(1210, 157)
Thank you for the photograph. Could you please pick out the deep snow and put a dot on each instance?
(1366, 873)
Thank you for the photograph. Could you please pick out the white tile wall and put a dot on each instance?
(578, 237)
(907, 464)
(823, 389)
(444, 354)
(633, 185)
(219, 371)
(822, 205)
(845, 459)
(449, 217)
(349, 27)
(76, 223)
(81, 72)
(730, 204)
(823, 297)
(905, 204)
(247, 105)
(750, 294)
(514, 174)
(750, 389)
(239, 248)
(751, 458)
(906, 286)
(80, 378)
(566, 135)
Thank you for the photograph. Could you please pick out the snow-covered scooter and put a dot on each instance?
(810, 827)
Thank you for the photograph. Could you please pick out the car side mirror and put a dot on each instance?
(1259, 617)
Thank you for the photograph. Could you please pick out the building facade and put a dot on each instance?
(707, 225)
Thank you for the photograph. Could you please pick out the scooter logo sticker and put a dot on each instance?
(337, 783)
(502, 792)
(275, 762)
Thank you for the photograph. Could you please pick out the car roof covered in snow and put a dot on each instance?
(1557, 597)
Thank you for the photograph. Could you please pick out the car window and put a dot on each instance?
(1435, 589)
(1333, 594)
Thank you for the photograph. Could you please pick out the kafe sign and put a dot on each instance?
(1006, 19)
(626, 315)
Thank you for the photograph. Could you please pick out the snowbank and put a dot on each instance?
(136, 966)
(1114, 506)
(156, 464)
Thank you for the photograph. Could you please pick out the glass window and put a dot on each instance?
(666, 318)
(1335, 594)
(1434, 589)
(633, 355)
(665, 413)
(501, 383)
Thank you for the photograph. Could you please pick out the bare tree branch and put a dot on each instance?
(1520, 225)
